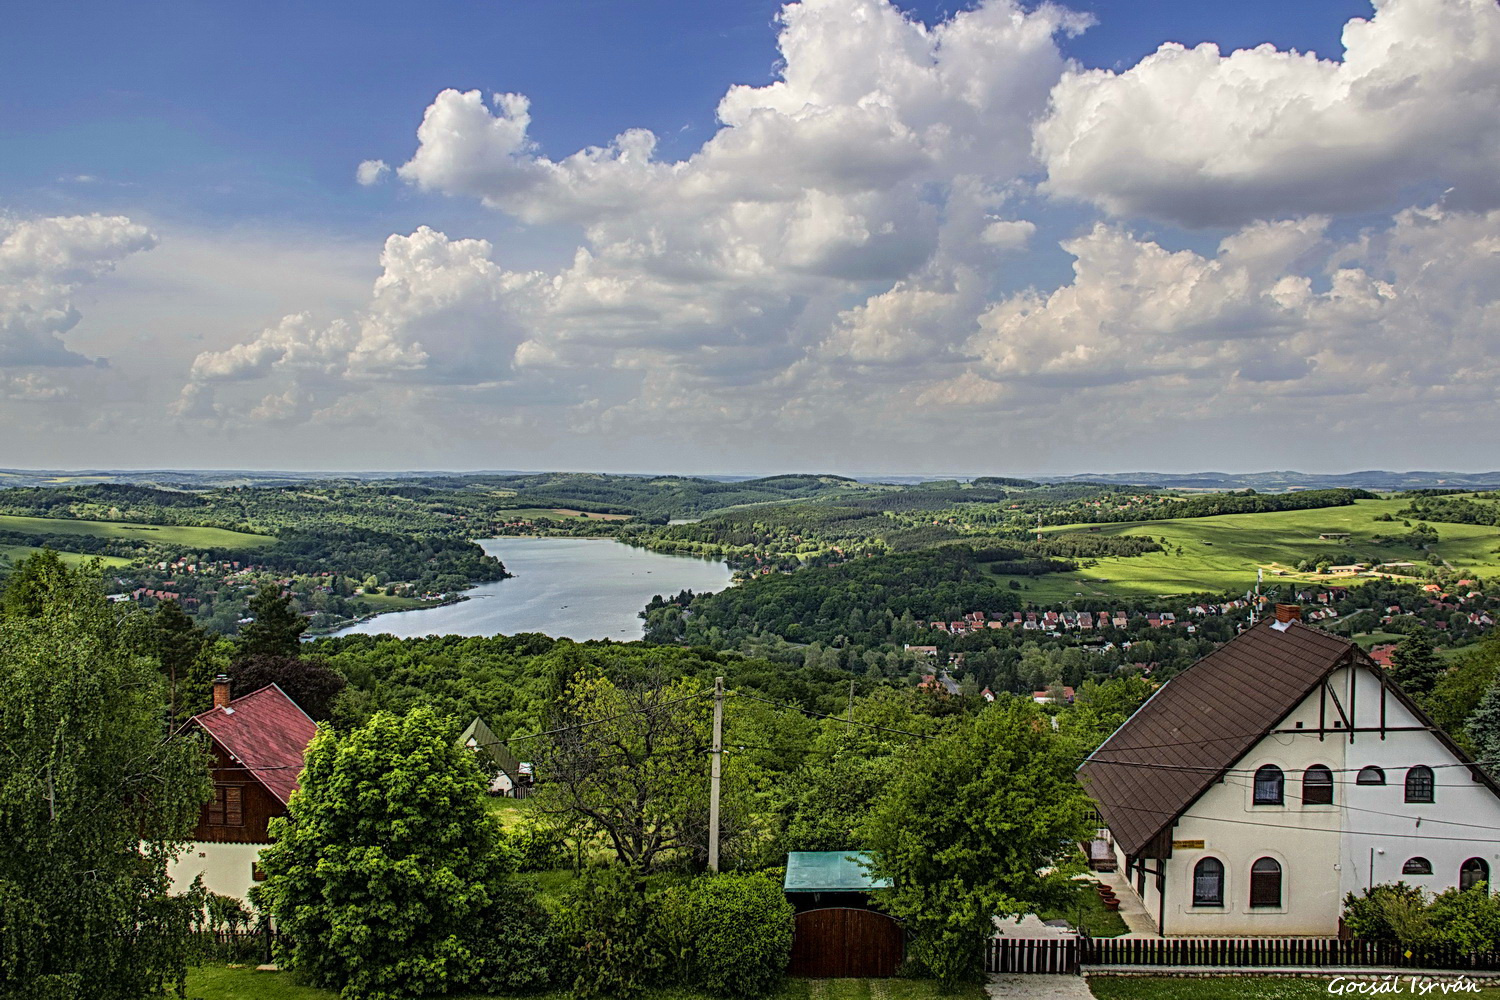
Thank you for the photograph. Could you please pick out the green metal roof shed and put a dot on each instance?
(831, 871)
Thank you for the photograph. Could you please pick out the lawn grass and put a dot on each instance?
(1088, 913)
(1243, 988)
(1222, 553)
(230, 982)
(187, 537)
(508, 811)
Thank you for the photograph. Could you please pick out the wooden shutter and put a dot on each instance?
(1317, 786)
(234, 813)
(1265, 883)
(216, 807)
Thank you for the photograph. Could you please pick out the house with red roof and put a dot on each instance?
(257, 741)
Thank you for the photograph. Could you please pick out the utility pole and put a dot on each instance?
(715, 768)
(851, 699)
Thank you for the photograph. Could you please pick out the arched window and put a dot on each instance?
(1208, 883)
(1317, 786)
(1472, 872)
(1419, 784)
(1268, 783)
(1265, 883)
(1371, 775)
(1417, 866)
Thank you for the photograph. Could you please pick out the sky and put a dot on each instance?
(849, 236)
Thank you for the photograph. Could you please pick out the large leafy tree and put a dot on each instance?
(94, 799)
(850, 767)
(630, 761)
(983, 822)
(32, 582)
(387, 876)
(276, 628)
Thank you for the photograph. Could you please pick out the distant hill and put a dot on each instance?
(763, 487)
(1374, 479)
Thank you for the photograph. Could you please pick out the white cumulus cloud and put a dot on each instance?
(1198, 137)
(43, 264)
(371, 172)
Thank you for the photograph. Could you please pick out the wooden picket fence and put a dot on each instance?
(1055, 955)
(1064, 955)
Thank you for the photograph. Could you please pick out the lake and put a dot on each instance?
(581, 588)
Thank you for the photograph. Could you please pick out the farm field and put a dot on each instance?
(1222, 553)
(164, 534)
(555, 512)
(13, 554)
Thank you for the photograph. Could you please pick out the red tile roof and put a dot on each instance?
(265, 732)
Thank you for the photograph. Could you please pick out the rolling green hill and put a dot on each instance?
(1223, 553)
(188, 538)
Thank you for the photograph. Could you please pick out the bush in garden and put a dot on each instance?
(1467, 919)
(604, 927)
(1393, 913)
(536, 848)
(741, 934)
(387, 878)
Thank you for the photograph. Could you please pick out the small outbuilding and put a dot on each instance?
(508, 776)
(838, 932)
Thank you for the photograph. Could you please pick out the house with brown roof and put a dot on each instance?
(1255, 789)
(257, 741)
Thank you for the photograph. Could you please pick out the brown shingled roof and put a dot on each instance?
(1201, 722)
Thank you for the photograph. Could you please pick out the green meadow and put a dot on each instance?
(1223, 553)
(12, 554)
(185, 537)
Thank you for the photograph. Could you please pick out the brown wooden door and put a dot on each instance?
(841, 942)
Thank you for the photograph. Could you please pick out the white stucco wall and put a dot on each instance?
(226, 868)
(1325, 851)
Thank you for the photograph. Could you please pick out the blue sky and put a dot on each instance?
(863, 228)
(169, 99)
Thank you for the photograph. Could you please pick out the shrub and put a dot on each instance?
(604, 928)
(1394, 913)
(386, 875)
(536, 848)
(1468, 919)
(742, 934)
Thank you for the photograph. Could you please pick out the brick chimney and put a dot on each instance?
(221, 691)
(1288, 613)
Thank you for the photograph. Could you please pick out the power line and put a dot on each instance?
(1307, 829)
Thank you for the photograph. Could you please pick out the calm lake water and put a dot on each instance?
(581, 588)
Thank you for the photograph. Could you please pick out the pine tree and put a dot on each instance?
(276, 629)
(179, 644)
(1484, 729)
(1414, 665)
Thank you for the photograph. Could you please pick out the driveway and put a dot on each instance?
(1004, 985)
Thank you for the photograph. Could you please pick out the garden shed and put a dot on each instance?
(838, 932)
